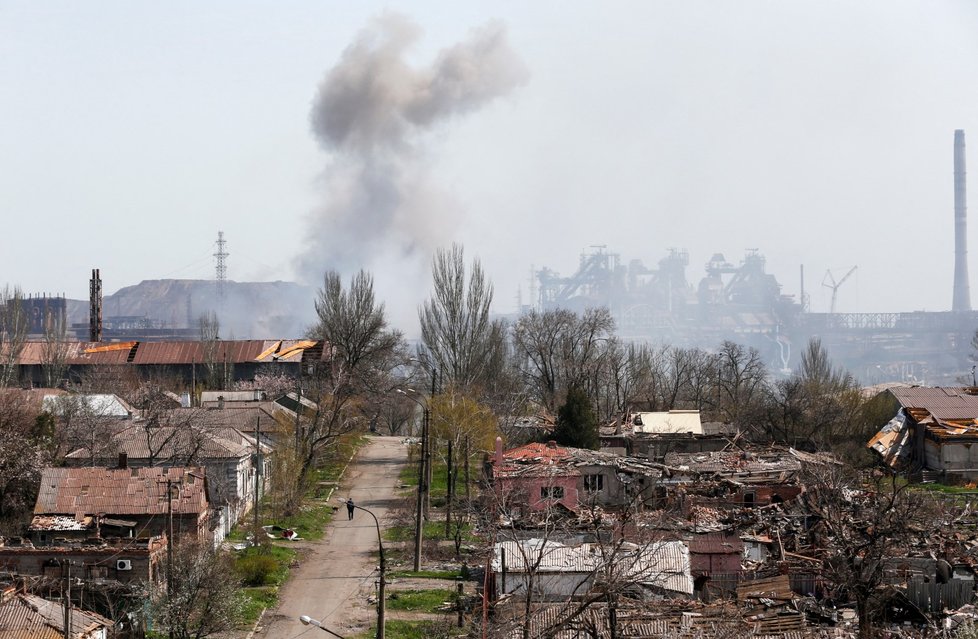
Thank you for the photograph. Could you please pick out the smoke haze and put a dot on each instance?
(372, 115)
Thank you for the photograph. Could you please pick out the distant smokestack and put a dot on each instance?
(95, 307)
(962, 291)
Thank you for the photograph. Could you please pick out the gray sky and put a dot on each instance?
(817, 132)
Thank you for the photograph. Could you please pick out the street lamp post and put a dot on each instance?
(422, 481)
(309, 621)
(381, 595)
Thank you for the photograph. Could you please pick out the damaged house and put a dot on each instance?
(537, 477)
(933, 433)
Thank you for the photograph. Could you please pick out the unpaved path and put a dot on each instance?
(338, 573)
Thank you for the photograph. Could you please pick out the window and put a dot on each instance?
(593, 483)
(552, 492)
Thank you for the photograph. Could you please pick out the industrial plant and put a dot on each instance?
(740, 301)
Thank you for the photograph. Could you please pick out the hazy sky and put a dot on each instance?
(817, 132)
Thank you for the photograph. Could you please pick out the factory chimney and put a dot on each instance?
(95, 307)
(962, 291)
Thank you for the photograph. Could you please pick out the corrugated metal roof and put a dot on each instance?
(663, 564)
(119, 491)
(31, 617)
(100, 405)
(941, 402)
(716, 544)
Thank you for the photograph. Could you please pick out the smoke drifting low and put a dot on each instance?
(372, 115)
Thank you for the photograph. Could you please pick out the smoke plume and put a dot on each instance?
(372, 115)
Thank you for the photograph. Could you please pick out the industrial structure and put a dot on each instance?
(743, 303)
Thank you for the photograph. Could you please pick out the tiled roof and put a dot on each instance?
(120, 491)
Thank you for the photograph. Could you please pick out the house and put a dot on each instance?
(208, 438)
(113, 559)
(553, 571)
(933, 431)
(654, 434)
(25, 616)
(133, 499)
(746, 477)
(540, 476)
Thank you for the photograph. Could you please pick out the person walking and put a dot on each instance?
(349, 507)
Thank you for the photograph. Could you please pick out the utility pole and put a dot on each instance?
(419, 515)
(259, 466)
(66, 565)
(169, 545)
(449, 492)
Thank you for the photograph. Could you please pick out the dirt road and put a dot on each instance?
(337, 573)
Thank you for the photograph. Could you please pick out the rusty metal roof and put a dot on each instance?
(716, 544)
(36, 353)
(27, 616)
(120, 491)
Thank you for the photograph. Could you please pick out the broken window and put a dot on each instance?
(552, 492)
(593, 483)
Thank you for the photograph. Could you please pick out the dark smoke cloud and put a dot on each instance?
(371, 114)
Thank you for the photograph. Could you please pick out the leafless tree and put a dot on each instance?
(54, 353)
(819, 405)
(558, 349)
(460, 341)
(14, 327)
(83, 423)
(204, 599)
(862, 522)
(741, 375)
(361, 353)
(22, 456)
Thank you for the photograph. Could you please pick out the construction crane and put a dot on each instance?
(829, 282)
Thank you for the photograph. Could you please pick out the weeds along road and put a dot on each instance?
(337, 573)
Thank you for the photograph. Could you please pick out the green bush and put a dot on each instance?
(257, 570)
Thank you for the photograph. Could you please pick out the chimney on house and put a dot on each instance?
(551, 444)
(499, 451)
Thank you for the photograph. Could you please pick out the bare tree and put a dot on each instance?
(863, 522)
(54, 353)
(459, 339)
(204, 598)
(14, 326)
(557, 349)
(741, 375)
(361, 352)
(22, 455)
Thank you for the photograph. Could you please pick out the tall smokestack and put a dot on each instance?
(962, 291)
(95, 307)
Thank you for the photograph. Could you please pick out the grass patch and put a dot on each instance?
(256, 600)
(249, 563)
(427, 574)
(419, 600)
(948, 490)
(399, 629)
(432, 530)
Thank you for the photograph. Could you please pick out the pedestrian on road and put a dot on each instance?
(349, 507)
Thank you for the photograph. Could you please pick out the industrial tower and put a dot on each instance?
(222, 265)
